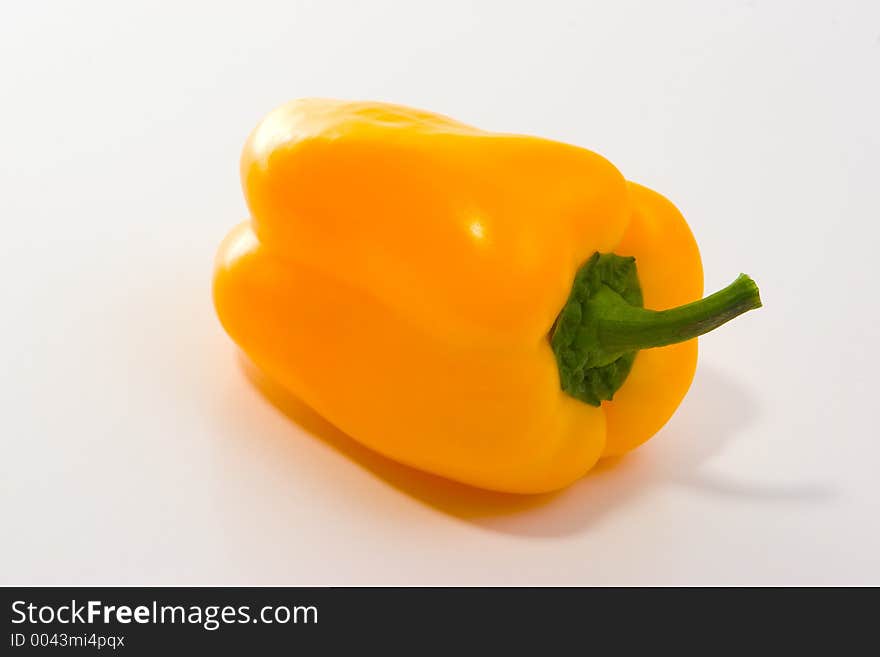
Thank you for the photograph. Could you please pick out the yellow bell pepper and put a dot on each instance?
(463, 301)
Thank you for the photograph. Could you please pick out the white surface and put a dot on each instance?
(136, 451)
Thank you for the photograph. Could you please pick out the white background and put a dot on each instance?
(135, 449)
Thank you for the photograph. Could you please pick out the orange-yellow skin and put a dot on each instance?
(401, 272)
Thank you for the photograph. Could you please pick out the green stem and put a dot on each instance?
(622, 327)
(604, 324)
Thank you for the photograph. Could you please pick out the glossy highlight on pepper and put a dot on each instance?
(419, 283)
